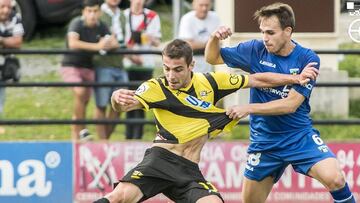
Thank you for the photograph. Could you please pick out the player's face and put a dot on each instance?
(201, 8)
(274, 37)
(177, 72)
(91, 15)
(5, 10)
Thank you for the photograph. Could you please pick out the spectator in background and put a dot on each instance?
(11, 35)
(86, 33)
(109, 68)
(196, 27)
(143, 31)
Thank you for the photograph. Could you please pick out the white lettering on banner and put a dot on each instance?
(234, 174)
(238, 153)
(214, 175)
(301, 181)
(212, 153)
(33, 183)
(346, 159)
(7, 178)
(286, 178)
(134, 153)
(349, 176)
(32, 180)
(301, 196)
(128, 165)
(230, 177)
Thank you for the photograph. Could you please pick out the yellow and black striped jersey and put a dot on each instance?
(188, 113)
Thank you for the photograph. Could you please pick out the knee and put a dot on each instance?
(116, 196)
(334, 181)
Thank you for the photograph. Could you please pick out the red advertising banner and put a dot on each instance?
(98, 165)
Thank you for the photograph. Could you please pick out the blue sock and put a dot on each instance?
(343, 195)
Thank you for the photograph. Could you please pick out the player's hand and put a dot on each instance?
(222, 33)
(237, 112)
(308, 73)
(123, 97)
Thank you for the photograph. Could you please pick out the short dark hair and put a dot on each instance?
(177, 49)
(282, 11)
(91, 3)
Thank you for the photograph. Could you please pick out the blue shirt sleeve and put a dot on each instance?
(238, 56)
(306, 90)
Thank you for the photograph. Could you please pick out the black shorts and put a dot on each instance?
(178, 178)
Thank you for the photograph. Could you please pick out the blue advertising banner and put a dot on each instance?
(36, 172)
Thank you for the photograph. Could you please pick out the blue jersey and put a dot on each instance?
(271, 132)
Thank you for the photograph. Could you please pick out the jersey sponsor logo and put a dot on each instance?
(234, 79)
(141, 89)
(204, 93)
(253, 160)
(197, 102)
(282, 94)
(308, 86)
(136, 175)
(209, 186)
(323, 148)
(294, 71)
(267, 63)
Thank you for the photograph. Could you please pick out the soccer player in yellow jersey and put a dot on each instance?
(186, 116)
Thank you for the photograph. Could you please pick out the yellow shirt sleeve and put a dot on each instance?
(228, 81)
(149, 93)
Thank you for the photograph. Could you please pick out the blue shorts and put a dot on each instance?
(107, 74)
(302, 155)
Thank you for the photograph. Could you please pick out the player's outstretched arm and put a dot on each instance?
(277, 107)
(124, 100)
(212, 48)
(275, 79)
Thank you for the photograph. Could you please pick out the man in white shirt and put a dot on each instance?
(196, 27)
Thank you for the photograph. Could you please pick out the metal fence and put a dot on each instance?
(134, 84)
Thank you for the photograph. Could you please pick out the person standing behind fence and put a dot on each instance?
(143, 31)
(11, 35)
(85, 33)
(109, 68)
(196, 27)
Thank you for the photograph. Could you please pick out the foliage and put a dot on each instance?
(351, 63)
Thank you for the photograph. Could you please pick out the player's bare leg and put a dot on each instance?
(123, 193)
(329, 173)
(210, 199)
(256, 191)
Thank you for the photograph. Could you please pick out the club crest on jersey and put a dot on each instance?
(197, 102)
(294, 71)
(234, 79)
(141, 89)
(267, 63)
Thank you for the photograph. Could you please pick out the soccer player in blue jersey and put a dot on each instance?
(281, 131)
